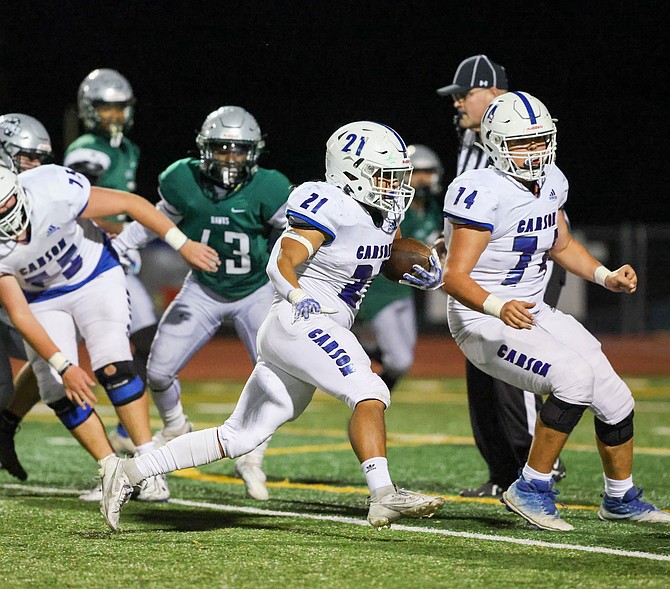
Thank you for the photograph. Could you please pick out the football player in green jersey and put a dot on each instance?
(223, 199)
(389, 307)
(105, 155)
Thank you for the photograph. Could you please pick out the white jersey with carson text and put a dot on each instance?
(523, 228)
(57, 256)
(341, 270)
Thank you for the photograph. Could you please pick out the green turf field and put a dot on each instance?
(312, 532)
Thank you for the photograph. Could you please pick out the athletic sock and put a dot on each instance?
(174, 419)
(617, 488)
(377, 476)
(530, 474)
(145, 448)
(187, 451)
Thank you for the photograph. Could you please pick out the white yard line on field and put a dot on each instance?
(361, 522)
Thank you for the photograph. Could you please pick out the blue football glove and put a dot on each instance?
(304, 305)
(425, 279)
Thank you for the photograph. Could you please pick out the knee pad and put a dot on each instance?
(559, 415)
(71, 414)
(617, 434)
(121, 382)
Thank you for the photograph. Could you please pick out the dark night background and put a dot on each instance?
(305, 68)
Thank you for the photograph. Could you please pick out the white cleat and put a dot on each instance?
(163, 436)
(116, 490)
(250, 471)
(152, 490)
(401, 503)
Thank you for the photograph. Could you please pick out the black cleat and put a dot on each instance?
(8, 458)
(558, 471)
(488, 489)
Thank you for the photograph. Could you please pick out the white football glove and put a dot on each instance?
(304, 305)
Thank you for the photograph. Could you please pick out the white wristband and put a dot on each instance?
(296, 295)
(600, 274)
(59, 363)
(493, 305)
(175, 238)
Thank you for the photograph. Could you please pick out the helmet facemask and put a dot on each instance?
(390, 188)
(228, 163)
(534, 161)
(14, 221)
(115, 127)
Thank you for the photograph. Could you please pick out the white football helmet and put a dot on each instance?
(424, 159)
(108, 87)
(13, 221)
(232, 134)
(518, 115)
(370, 162)
(23, 135)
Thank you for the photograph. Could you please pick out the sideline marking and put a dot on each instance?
(363, 523)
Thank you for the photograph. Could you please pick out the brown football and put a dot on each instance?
(405, 252)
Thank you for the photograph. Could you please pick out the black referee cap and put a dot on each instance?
(477, 71)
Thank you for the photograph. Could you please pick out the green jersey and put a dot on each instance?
(118, 164)
(424, 225)
(237, 226)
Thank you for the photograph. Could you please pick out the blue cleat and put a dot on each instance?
(535, 502)
(631, 508)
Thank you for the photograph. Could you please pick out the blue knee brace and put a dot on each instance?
(71, 414)
(121, 382)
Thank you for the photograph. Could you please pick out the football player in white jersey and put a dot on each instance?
(506, 222)
(24, 144)
(340, 231)
(55, 281)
